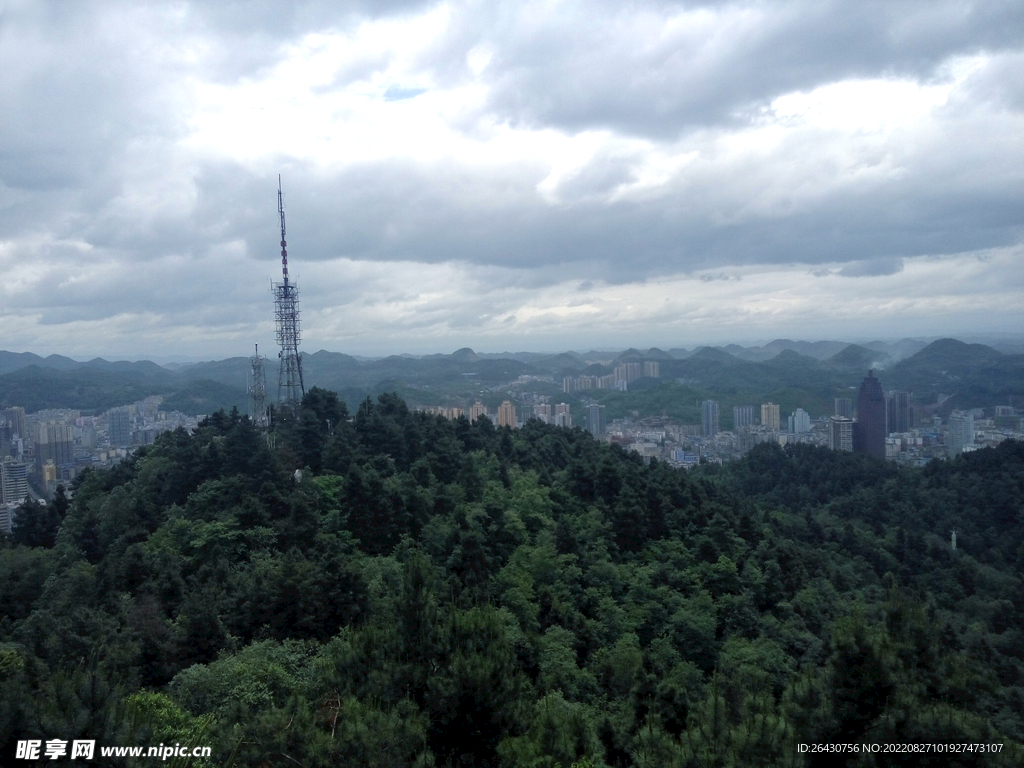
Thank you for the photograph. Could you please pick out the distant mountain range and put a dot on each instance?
(974, 374)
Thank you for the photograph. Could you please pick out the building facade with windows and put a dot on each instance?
(507, 415)
(709, 418)
(869, 432)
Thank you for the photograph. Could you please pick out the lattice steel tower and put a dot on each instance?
(290, 387)
(258, 405)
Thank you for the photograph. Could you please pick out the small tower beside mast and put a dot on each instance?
(258, 405)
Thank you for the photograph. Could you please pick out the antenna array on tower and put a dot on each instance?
(290, 387)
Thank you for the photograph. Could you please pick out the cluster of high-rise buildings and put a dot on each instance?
(43, 449)
(506, 415)
(878, 423)
(888, 425)
(557, 414)
(43, 441)
(743, 418)
(620, 378)
(877, 416)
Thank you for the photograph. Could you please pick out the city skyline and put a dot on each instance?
(540, 177)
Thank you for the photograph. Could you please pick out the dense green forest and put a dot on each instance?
(425, 592)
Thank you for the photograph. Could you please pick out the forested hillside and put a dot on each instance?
(970, 375)
(426, 592)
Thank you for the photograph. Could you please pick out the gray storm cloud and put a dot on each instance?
(665, 146)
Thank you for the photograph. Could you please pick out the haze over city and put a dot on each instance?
(503, 176)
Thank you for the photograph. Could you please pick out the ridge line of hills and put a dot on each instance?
(979, 374)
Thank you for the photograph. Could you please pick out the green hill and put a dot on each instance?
(856, 360)
(978, 375)
(203, 396)
(974, 374)
(432, 593)
(87, 389)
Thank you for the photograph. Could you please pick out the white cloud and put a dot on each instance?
(468, 172)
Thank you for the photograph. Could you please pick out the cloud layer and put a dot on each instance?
(500, 175)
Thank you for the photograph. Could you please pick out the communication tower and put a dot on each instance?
(290, 388)
(258, 405)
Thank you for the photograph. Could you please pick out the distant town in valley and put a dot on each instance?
(909, 401)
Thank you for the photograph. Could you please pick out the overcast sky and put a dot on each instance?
(508, 175)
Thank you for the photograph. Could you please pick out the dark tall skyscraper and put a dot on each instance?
(899, 412)
(869, 431)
